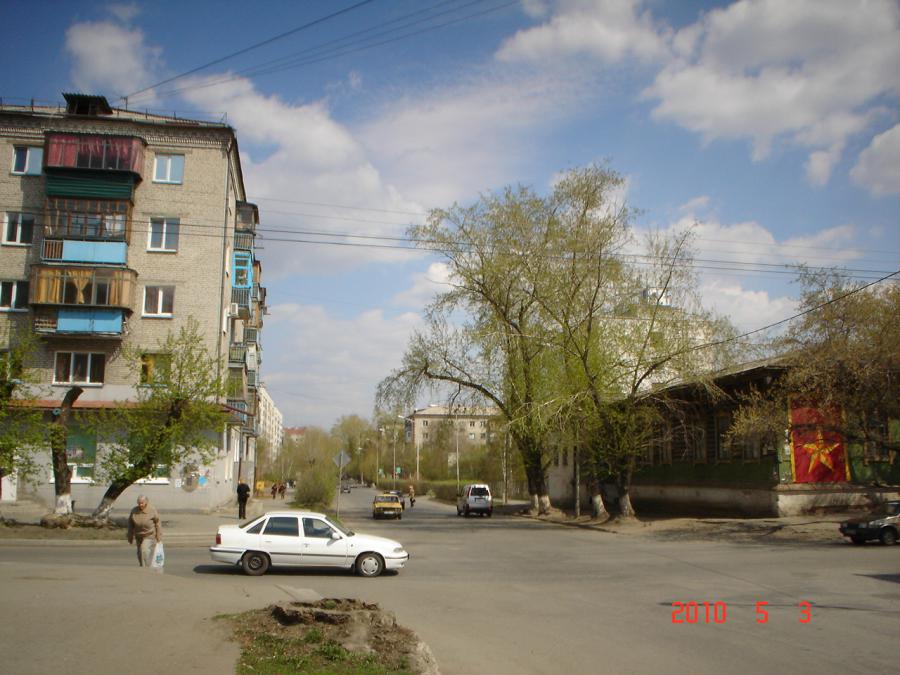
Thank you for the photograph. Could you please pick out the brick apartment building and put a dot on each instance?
(117, 227)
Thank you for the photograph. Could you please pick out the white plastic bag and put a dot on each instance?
(159, 557)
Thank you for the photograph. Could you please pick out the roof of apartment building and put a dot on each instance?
(457, 411)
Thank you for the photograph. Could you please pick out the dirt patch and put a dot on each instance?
(811, 530)
(329, 636)
(62, 527)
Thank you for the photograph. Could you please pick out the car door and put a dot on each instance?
(282, 541)
(320, 548)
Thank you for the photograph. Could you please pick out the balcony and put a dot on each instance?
(247, 217)
(237, 356)
(240, 300)
(243, 241)
(95, 152)
(87, 219)
(237, 413)
(83, 286)
(251, 336)
(94, 252)
(252, 379)
(88, 322)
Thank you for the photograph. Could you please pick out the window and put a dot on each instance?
(243, 270)
(313, 527)
(284, 526)
(163, 234)
(472, 425)
(159, 300)
(472, 437)
(27, 161)
(13, 295)
(79, 368)
(19, 229)
(154, 367)
(424, 423)
(169, 169)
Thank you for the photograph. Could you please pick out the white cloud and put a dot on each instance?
(747, 309)
(608, 31)
(806, 72)
(111, 59)
(696, 204)
(452, 142)
(124, 12)
(322, 369)
(426, 285)
(313, 159)
(878, 166)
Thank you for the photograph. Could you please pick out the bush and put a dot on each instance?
(315, 488)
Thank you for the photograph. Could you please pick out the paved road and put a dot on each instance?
(512, 595)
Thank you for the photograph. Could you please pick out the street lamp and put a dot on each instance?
(414, 442)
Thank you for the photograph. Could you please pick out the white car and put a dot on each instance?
(304, 539)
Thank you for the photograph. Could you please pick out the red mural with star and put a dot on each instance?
(818, 451)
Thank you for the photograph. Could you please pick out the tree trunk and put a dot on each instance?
(113, 492)
(626, 510)
(59, 434)
(598, 508)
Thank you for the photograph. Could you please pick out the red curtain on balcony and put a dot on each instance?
(62, 149)
(120, 153)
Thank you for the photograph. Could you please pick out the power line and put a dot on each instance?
(337, 54)
(251, 47)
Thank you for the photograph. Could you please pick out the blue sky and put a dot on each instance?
(771, 127)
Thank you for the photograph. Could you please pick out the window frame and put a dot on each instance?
(33, 154)
(166, 222)
(167, 157)
(16, 302)
(89, 368)
(160, 301)
(7, 221)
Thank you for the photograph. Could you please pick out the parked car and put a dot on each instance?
(475, 498)
(387, 505)
(345, 486)
(304, 539)
(882, 524)
(400, 496)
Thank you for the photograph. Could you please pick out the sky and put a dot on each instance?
(771, 128)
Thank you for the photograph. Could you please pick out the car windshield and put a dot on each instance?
(479, 492)
(391, 499)
(340, 528)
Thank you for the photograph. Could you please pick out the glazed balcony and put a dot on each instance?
(95, 152)
(87, 219)
(94, 252)
(83, 287)
(246, 218)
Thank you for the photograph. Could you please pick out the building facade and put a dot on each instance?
(469, 425)
(271, 422)
(118, 228)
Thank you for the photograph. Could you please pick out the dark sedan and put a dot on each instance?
(881, 524)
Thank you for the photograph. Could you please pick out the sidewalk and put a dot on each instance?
(179, 527)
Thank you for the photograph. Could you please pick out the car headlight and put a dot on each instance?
(399, 549)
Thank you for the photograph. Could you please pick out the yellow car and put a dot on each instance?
(387, 506)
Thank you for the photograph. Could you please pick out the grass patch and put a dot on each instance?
(271, 648)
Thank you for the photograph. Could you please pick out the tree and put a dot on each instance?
(351, 432)
(498, 352)
(22, 426)
(623, 323)
(177, 416)
(842, 354)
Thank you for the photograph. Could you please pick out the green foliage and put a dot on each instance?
(316, 486)
(177, 417)
(22, 427)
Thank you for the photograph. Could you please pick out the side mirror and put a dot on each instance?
(336, 535)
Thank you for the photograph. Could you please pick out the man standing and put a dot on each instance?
(243, 494)
(145, 528)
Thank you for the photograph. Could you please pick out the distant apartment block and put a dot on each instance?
(470, 425)
(271, 422)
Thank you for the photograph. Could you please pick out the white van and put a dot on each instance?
(475, 498)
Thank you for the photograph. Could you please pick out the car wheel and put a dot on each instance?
(458, 512)
(888, 536)
(399, 516)
(255, 563)
(369, 565)
(858, 540)
(466, 511)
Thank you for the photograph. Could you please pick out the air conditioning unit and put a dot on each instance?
(233, 309)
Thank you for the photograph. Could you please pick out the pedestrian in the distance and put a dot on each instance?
(282, 489)
(274, 490)
(144, 528)
(243, 494)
